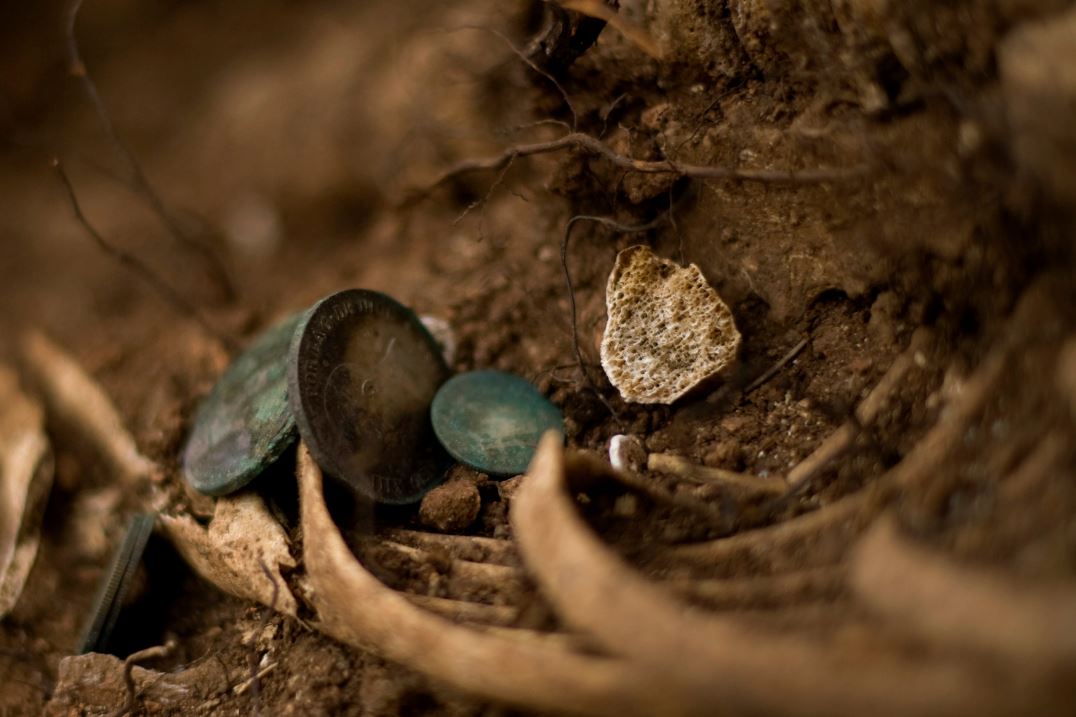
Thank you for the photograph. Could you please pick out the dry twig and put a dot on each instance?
(135, 265)
(828, 530)
(776, 368)
(866, 413)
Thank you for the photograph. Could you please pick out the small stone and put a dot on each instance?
(668, 331)
(626, 453)
(451, 507)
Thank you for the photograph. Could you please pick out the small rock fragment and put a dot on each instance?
(668, 330)
(451, 507)
(626, 453)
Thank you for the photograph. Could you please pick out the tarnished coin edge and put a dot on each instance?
(115, 583)
(276, 445)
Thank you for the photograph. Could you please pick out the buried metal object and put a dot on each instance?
(492, 421)
(362, 372)
(245, 423)
(116, 583)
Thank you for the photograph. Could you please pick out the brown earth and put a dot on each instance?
(297, 133)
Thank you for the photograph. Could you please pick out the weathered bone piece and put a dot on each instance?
(230, 553)
(668, 331)
(25, 480)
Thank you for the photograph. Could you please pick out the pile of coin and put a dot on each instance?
(365, 385)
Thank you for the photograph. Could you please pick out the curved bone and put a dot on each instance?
(464, 611)
(762, 592)
(26, 469)
(833, 526)
(465, 574)
(462, 547)
(355, 608)
(866, 412)
(81, 405)
(965, 606)
(743, 671)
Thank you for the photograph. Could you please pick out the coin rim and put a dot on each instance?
(275, 446)
(306, 431)
(460, 377)
(115, 584)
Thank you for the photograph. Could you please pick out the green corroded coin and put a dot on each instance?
(361, 375)
(492, 421)
(115, 584)
(245, 423)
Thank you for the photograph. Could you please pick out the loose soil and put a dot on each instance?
(296, 134)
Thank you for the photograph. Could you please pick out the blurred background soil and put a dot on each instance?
(291, 137)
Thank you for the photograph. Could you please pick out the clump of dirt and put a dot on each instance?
(292, 141)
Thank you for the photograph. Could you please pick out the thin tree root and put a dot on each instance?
(217, 271)
(591, 145)
(355, 608)
(80, 405)
(150, 653)
(743, 671)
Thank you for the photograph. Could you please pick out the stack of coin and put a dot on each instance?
(356, 376)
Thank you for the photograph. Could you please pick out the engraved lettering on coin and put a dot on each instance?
(362, 373)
